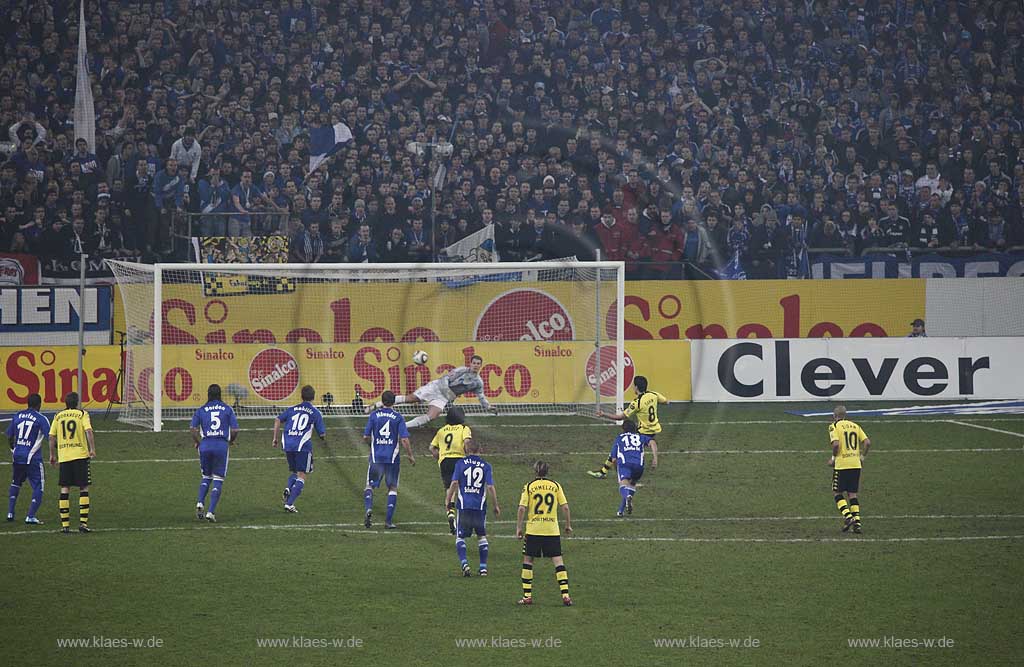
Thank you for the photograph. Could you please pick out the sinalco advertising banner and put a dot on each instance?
(261, 375)
(343, 312)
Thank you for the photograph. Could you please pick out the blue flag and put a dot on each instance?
(325, 141)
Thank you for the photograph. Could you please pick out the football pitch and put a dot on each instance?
(733, 555)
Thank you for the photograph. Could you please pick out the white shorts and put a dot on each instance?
(432, 394)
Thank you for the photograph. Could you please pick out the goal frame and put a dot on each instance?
(377, 269)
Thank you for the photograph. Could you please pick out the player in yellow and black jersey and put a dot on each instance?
(449, 447)
(537, 506)
(849, 447)
(72, 444)
(645, 407)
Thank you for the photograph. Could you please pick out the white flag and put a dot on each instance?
(85, 114)
(477, 247)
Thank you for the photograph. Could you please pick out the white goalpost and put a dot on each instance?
(550, 334)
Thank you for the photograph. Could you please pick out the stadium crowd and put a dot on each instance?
(717, 133)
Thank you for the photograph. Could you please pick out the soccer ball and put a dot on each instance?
(419, 357)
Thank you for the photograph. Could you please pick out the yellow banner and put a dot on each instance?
(262, 375)
(771, 308)
(349, 312)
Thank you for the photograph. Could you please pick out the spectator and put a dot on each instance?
(139, 206)
(395, 249)
(188, 153)
(214, 194)
(928, 234)
(826, 236)
(361, 248)
(618, 105)
(308, 246)
(420, 247)
(336, 242)
(917, 329)
(169, 199)
(664, 243)
(243, 202)
(696, 250)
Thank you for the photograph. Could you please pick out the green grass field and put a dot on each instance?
(735, 538)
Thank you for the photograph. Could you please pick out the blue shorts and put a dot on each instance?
(386, 471)
(214, 462)
(631, 472)
(300, 461)
(33, 472)
(470, 521)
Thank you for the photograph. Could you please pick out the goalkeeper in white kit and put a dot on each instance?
(440, 392)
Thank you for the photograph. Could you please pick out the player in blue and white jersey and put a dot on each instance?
(628, 454)
(444, 390)
(299, 422)
(26, 435)
(472, 481)
(385, 429)
(214, 428)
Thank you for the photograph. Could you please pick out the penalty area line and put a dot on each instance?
(595, 424)
(355, 530)
(688, 452)
(984, 428)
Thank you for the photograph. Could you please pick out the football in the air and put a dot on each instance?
(419, 357)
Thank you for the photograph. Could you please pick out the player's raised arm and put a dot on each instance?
(662, 398)
(611, 417)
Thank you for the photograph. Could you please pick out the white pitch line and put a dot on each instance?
(984, 428)
(688, 452)
(792, 422)
(706, 519)
(348, 528)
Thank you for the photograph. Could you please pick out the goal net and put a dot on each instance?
(550, 334)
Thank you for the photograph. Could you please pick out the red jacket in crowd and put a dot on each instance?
(663, 244)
